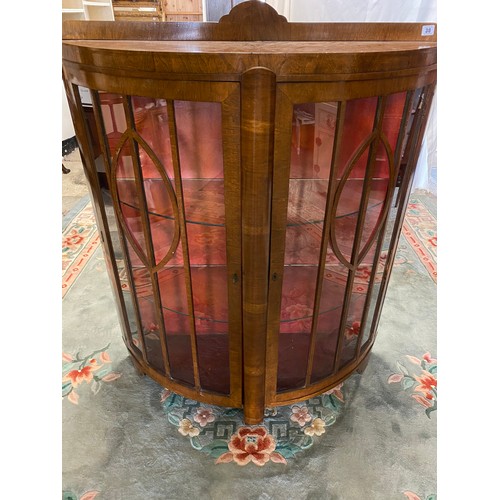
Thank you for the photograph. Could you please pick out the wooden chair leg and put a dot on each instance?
(65, 170)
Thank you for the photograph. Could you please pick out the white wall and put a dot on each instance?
(356, 10)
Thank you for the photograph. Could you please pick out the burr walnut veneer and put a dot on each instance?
(249, 179)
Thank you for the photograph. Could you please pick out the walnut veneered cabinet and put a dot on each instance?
(249, 186)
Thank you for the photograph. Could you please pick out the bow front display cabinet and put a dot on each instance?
(249, 179)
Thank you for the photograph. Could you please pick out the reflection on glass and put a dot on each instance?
(124, 288)
(311, 154)
(199, 139)
(116, 255)
(192, 295)
(381, 265)
(391, 127)
(314, 126)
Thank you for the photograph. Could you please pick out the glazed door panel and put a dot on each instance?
(170, 186)
(334, 184)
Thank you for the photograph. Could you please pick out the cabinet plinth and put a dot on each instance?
(248, 183)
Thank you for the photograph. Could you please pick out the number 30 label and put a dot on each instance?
(428, 30)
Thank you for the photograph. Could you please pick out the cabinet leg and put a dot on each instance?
(137, 366)
(252, 419)
(362, 367)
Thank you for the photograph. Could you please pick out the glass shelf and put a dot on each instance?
(209, 298)
(204, 199)
(307, 197)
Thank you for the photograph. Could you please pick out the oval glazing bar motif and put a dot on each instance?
(250, 196)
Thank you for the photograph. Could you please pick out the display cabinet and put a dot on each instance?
(246, 180)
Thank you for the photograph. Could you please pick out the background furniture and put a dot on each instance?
(149, 10)
(158, 10)
(96, 10)
(249, 272)
(182, 10)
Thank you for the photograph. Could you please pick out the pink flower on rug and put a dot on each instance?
(414, 359)
(395, 377)
(423, 384)
(110, 377)
(164, 395)
(204, 416)
(353, 330)
(297, 311)
(78, 369)
(411, 496)
(72, 241)
(427, 357)
(427, 383)
(89, 495)
(76, 377)
(300, 414)
(73, 397)
(363, 272)
(316, 428)
(301, 314)
(251, 444)
(423, 401)
(336, 391)
(104, 356)
(186, 428)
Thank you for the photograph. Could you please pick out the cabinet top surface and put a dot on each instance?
(254, 47)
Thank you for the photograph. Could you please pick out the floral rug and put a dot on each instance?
(80, 239)
(221, 433)
(127, 438)
(286, 430)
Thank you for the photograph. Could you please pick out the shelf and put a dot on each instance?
(182, 13)
(203, 200)
(210, 299)
(307, 199)
(135, 9)
(97, 4)
(207, 244)
(73, 11)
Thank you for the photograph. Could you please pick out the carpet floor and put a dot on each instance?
(127, 438)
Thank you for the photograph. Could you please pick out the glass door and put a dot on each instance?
(336, 168)
(169, 182)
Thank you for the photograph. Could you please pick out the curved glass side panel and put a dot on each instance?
(342, 175)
